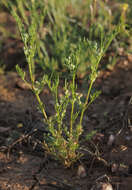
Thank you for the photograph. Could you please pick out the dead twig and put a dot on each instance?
(95, 155)
(23, 137)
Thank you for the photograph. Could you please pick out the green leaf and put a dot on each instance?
(20, 72)
(90, 135)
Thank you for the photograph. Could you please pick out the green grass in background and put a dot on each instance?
(62, 24)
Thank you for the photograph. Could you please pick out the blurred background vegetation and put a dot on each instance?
(61, 26)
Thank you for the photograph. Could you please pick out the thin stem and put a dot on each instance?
(94, 10)
(41, 106)
(86, 102)
(30, 72)
(72, 109)
(71, 125)
(58, 112)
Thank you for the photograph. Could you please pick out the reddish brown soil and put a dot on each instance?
(21, 167)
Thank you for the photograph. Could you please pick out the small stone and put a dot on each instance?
(114, 167)
(102, 186)
(111, 140)
(81, 172)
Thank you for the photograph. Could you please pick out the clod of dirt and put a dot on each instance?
(102, 186)
(98, 138)
(22, 85)
(4, 129)
(119, 169)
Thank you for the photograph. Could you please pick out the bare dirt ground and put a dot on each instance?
(23, 163)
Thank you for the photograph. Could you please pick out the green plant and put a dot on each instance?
(63, 138)
(61, 24)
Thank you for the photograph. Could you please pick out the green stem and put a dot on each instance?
(94, 9)
(37, 96)
(71, 125)
(86, 102)
(41, 106)
(59, 117)
(30, 72)
(72, 109)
